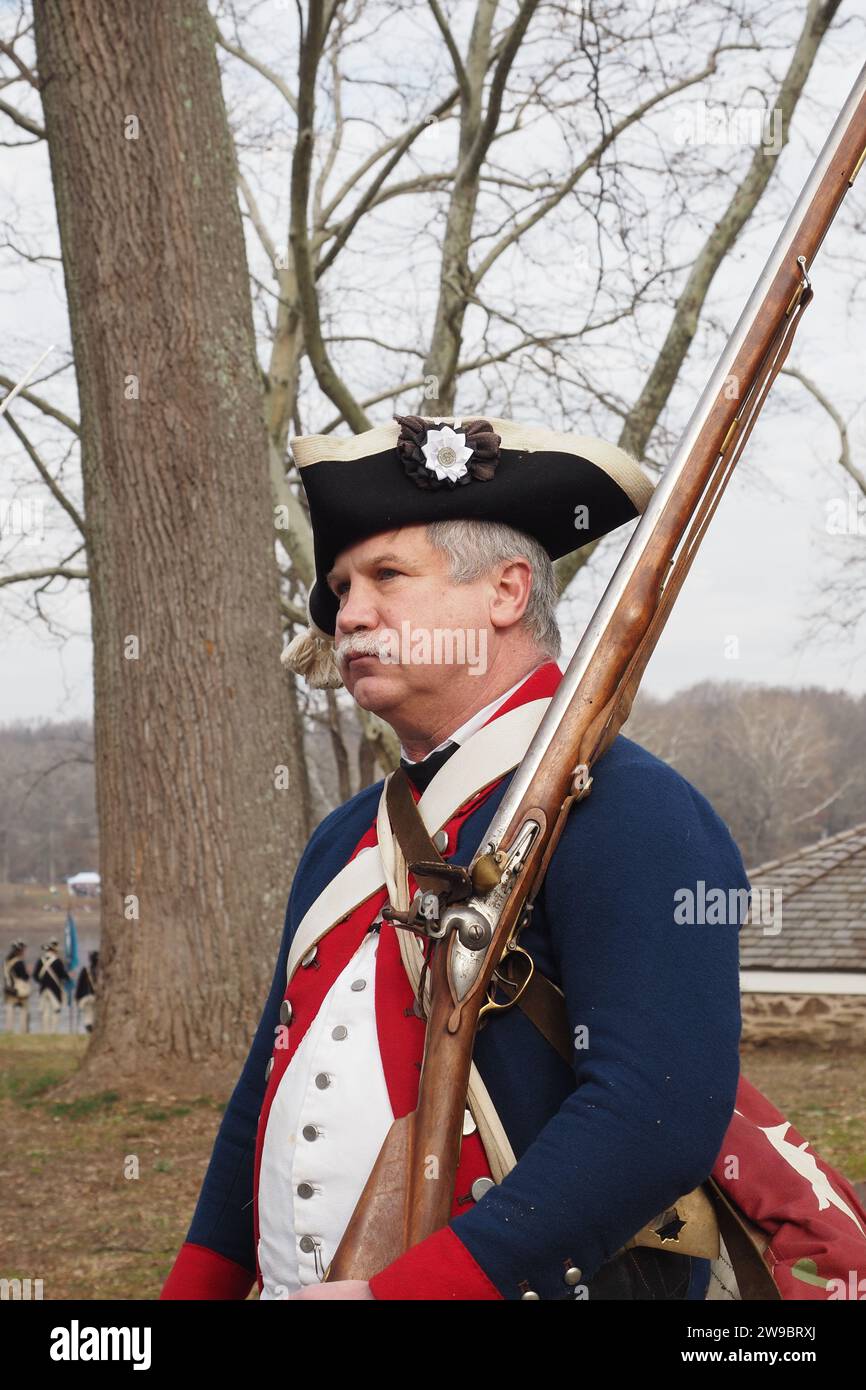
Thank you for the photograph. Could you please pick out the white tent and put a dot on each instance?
(84, 884)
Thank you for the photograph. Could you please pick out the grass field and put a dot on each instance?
(96, 1195)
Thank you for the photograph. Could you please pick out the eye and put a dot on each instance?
(344, 583)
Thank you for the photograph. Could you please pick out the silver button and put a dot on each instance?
(269, 1068)
(307, 1244)
(469, 1125)
(573, 1275)
(305, 1189)
(357, 985)
(480, 1186)
(286, 1011)
(530, 1293)
(307, 960)
(340, 1032)
(440, 840)
(310, 1132)
(323, 1081)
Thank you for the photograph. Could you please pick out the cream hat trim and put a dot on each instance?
(620, 466)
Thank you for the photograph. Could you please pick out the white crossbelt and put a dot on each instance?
(492, 751)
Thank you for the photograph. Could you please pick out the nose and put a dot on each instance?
(358, 609)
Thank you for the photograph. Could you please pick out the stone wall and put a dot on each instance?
(822, 1019)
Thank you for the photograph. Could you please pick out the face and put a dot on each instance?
(406, 633)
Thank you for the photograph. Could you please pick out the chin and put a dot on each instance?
(373, 686)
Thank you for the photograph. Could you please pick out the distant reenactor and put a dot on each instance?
(16, 989)
(85, 990)
(50, 974)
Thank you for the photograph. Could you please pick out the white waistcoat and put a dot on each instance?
(334, 1085)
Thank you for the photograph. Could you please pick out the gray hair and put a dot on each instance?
(473, 548)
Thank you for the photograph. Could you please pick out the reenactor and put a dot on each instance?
(85, 990)
(16, 989)
(641, 1078)
(51, 974)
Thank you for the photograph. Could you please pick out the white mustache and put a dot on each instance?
(358, 646)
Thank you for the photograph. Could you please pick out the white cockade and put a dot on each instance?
(446, 453)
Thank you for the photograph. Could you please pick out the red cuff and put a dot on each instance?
(201, 1273)
(439, 1267)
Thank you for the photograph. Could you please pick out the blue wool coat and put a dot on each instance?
(653, 1001)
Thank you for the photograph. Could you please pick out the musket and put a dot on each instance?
(400, 1204)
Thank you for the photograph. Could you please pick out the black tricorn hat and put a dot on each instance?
(566, 490)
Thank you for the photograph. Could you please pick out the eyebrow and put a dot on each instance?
(376, 560)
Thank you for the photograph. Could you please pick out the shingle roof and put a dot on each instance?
(823, 908)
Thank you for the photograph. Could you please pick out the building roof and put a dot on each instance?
(823, 908)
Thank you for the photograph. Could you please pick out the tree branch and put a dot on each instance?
(46, 477)
(32, 127)
(508, 53)
(256, 63)
(59, 572)
(445, 30)
(545, 206)
(647, 409)
(370, 195)
(845, 458)
(346, 187)
(257, 220)
(297, 538)
(329, 380)
(41, 404)
(27, 73)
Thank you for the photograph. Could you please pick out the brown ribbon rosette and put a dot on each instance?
(480, 438)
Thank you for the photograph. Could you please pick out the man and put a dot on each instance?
(50, 974)
(424, 529)
(85, 990)
(16, 989)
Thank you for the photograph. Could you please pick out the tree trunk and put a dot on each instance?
(198, 831)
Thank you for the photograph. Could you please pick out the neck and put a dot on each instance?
(418, 743)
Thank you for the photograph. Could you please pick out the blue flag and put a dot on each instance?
(70, 949)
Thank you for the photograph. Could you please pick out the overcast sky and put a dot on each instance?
(742, 611)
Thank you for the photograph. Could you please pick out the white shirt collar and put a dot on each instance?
(474, 723)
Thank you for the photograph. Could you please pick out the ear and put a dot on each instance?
(511, 592)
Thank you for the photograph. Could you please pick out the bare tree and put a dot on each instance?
(508, 220)
(499, 84)
(489, 211)
(774, 763)
(198, 824)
